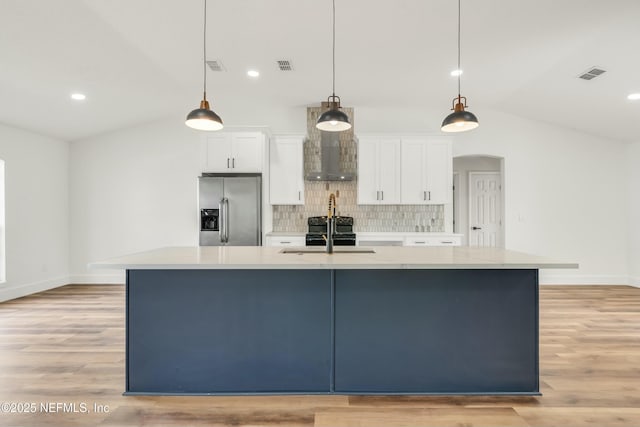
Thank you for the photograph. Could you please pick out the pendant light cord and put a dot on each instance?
(334, 48)
(204, 52)
(459, 69)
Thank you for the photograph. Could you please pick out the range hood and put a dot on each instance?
(336, 151)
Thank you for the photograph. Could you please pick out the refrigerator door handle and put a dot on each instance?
(225, 218)
(221, 219)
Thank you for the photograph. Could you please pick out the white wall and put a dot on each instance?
(37, 212)
(633, 168)
(133, 190)
(565, 194)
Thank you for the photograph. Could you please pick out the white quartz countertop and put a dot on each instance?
(375, 233)
(385, 257)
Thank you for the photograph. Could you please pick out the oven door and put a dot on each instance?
(344, 241)
(315, 240)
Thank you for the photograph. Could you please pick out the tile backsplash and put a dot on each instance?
(383, 218)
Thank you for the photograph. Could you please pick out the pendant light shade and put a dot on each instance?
(203, 118)
(460, 120)
(334, 119)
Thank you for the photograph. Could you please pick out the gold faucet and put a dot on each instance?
(332, 204)
(331, 213)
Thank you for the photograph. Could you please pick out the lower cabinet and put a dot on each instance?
(433, 241)
(409, 239)
(289, 240)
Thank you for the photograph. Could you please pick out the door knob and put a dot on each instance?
(476, 228)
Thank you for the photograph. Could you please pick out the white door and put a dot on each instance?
(413, 182)
(389, 171)
(368, 192)
(247, 152)
(286, 181)
(218, 153)
(485, 210)
(439, 164)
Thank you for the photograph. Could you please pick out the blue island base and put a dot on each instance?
(271, 331)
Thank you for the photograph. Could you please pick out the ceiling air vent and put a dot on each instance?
(592, 73)
(216, 65)
(285, 65)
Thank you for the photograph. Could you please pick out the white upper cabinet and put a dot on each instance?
(378, 171)
(426, 171)
(234, 152)
(286, 183)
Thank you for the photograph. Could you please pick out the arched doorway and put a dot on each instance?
(478, 200)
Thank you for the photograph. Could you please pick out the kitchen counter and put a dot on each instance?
(403, 320)
(260, 257)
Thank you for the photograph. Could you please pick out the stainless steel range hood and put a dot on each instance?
(336, 151)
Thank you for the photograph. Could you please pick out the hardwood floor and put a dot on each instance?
(67, 346)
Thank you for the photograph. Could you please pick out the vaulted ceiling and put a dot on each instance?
(140, 60)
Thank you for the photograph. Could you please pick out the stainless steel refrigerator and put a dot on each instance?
(230, 209)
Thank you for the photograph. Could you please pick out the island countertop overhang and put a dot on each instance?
(384, 258)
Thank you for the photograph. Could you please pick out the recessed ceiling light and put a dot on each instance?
(634, 96)
(456, 73)
(78, 96)
(253, 73)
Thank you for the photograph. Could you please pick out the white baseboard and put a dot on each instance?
(551, 279)
(98, 279)
(14, 292)
(634, 281)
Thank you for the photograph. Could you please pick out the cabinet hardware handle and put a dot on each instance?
(421, 243)
(476, 228)
(446, 242)
(382, 193)
(377, 195)
(228, 163)
(233, 163)
(285, 243)
(429, 192)
(299, 196)
(424, 195)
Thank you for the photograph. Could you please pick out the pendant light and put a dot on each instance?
(333, 120)
(203, 118)
(460, 120)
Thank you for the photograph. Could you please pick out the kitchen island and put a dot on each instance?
(401, 320)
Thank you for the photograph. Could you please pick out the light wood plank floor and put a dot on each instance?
(67, 346)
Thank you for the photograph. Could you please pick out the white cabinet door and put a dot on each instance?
(389, 171)
(439, 172)
(378, 171)
(413, 181)
(368, 191)
(427, 175)
(246, 152)
(234, 152)
(286, 180)
(218, 153)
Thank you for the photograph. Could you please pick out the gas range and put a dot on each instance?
(343, 236)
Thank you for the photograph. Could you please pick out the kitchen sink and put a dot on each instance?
(321, 250)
